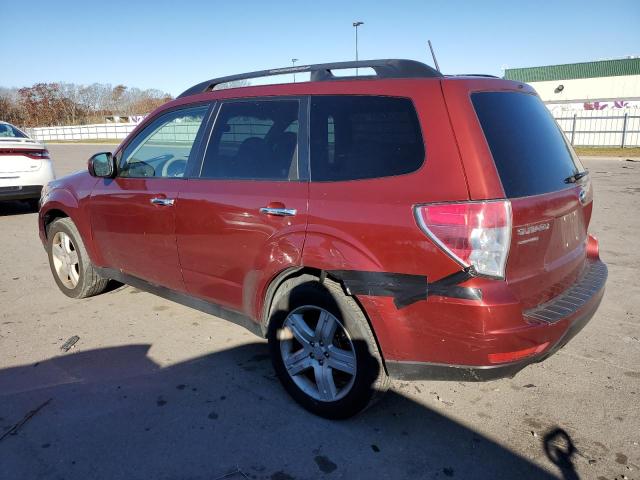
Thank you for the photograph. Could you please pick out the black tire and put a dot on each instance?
(370, 380)
(89, 281)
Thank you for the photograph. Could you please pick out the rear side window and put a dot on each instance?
(254, 140)
(529, 150)
(357, 137)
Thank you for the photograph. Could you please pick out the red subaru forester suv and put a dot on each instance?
(402, 224)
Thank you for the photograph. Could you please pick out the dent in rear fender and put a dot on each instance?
(347, 260)
(330, 249)
(282, 253)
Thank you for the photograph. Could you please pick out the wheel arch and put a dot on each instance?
(51, 216)
(321, 275)
(61, 203)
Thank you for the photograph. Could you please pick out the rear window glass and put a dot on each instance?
(9, 131)
(530, 152)
(356, 137)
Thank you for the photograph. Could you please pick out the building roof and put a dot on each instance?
(602, 68)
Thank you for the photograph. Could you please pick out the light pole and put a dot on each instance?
(356, 25)
(293, 62)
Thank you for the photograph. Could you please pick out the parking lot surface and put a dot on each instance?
(153, 389)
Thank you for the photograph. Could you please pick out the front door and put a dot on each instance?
(133, 215)
(244, 218)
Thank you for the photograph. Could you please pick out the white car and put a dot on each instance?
(25, 166)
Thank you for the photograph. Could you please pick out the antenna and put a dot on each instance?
(435, 61)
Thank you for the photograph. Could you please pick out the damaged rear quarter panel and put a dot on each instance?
(369, 225)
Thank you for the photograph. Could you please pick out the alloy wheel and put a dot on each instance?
(318, 354)
(65, 260)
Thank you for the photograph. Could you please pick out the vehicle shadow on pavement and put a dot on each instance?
(114, 413)
(9, 208)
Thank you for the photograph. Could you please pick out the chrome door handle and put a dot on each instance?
(281, 212)
(165, 202)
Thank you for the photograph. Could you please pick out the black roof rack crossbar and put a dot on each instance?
(483, 75)
(389, 68)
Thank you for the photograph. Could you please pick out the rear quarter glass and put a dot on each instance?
(530, 152)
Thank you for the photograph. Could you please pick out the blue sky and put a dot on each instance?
(171, 45)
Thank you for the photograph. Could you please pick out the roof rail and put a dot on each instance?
(389, 68)
(483, 75)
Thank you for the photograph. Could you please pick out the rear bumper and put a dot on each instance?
(449, 339)
(482, 373)
(22, 192)
(24, 185)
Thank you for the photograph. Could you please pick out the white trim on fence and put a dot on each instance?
(601, 128)
(116, 131)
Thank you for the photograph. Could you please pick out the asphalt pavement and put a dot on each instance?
(153, 389)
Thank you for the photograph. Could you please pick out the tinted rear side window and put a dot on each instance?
(254, 140)
(356, 137)
(529, 150)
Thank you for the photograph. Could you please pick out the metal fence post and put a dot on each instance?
(624, 129)
(573, 128)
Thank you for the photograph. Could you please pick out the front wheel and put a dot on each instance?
(69, 261)
(323, 350)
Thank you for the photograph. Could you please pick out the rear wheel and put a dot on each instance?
(323, 350)
(72, 270)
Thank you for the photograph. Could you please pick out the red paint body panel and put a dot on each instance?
(228, 249)
(543, 264)
(215, 244)
(132, 234)
(484, 182)
(370, 225)
(69, 195)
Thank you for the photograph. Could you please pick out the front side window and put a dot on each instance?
(253, 140)
(358, 137)
(162, 149)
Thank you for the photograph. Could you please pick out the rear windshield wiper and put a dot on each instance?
(574, 178)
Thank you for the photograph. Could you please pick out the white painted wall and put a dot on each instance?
(590, 89)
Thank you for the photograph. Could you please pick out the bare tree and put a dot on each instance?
(45, 104)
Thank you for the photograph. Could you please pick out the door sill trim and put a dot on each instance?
(184, 299)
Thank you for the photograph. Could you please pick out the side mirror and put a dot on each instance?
(102, 165)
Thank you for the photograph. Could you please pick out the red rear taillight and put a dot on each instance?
(474, 234)
(36, 154)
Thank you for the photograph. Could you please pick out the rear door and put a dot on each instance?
(133, 215)
(549, 189)
(242, 219)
